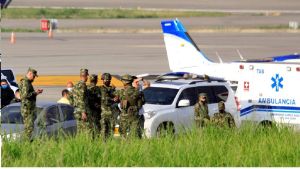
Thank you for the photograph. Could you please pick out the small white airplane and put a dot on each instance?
(185, 56)
(268, 89)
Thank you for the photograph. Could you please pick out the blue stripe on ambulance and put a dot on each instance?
(266, 108)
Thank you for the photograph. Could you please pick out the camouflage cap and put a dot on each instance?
(127, 78)
(221, 105)
(202, 94)
(106, 76)
(84, 71)
(93, 77)
(30, 69)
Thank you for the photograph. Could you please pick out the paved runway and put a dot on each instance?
(134, 53)
(241, 5)
(233, 21)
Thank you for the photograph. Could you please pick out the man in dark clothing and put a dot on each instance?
(17, 98)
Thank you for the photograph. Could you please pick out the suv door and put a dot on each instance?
(69, 124)
(185, 115)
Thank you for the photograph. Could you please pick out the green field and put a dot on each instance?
(76, 13)
(248, 146)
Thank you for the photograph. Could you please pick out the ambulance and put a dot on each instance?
(269, 93)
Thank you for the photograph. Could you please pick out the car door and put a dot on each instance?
(69, 124)
(53, 120)
(185, 115)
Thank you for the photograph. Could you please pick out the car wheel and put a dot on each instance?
(165, 129)
(266, 124)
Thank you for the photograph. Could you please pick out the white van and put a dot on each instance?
(270, 93)
(171, 103)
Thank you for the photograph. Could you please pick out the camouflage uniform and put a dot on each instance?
(201, 112)
(131, 101)
(28, 104)
(80, 102)
(70, 98)
(107, 121)
(223, 118)
(94, 101)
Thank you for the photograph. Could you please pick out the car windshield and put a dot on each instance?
(12, 114)
(161, 96)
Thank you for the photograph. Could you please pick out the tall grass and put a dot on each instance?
(77, 13)
(248, 146)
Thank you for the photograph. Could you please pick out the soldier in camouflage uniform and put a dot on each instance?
(223, 118)
(131, 100)
(70, 88)
(94, 102)
(201, 111)
(107, 100)
(80, 102)
(28, 101)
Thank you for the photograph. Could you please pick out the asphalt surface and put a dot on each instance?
(216, 5)
(233, 21)
(134, 53)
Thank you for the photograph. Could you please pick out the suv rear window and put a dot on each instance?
(210, 93)
(215, 94)
(221, 93)
(161, 96)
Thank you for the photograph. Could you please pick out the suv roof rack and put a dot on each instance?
(187, 76)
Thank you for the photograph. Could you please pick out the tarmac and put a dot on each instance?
(134, 53)
(212, 5)
(153, 24)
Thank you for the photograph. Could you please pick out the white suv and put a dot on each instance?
(170, 103)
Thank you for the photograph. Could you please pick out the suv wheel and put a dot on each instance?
(165, 129)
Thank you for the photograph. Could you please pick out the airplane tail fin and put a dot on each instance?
(182, 51)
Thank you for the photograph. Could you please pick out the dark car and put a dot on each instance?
(50, 119)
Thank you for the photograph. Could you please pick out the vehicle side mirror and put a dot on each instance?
(184, 103)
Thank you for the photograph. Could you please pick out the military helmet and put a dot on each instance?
(221, 105)
(106, 76)
(202, 94)
(93, 77)
(30, 69)
(127, 78)
(84, 71)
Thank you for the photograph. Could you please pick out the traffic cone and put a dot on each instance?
(13, 38)
(50, 34)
